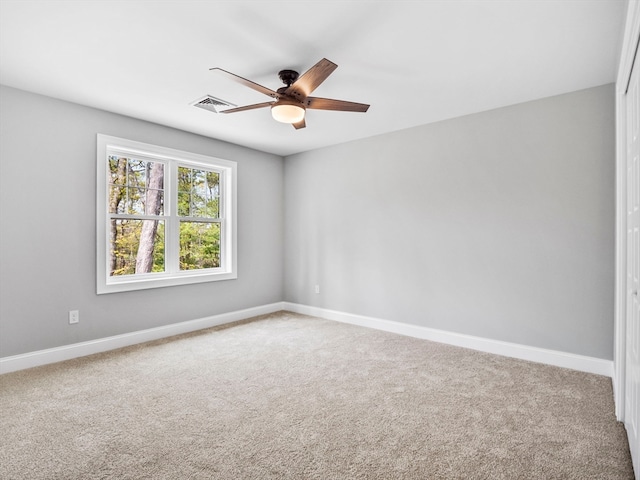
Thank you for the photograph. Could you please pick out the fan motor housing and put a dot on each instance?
(288, 76)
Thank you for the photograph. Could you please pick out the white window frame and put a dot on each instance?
(108, 145)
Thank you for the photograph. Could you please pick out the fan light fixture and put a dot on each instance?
(287, 112)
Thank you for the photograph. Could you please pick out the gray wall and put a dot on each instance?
(498, 224)
(48, 239)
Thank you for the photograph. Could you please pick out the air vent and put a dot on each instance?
(212, 104)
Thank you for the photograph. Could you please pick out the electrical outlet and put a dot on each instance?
(317, 288)
(74, 316)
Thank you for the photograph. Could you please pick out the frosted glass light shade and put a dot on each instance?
(287, 113)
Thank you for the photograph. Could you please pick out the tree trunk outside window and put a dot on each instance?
(153, 203)
(117, 192)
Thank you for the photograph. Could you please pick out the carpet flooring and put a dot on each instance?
(286, 396)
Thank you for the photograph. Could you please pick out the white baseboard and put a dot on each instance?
(67, 352)
(534, 354)
(540, 355)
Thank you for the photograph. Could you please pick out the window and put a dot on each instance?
(164, 217)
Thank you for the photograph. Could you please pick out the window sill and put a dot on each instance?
(152, 281)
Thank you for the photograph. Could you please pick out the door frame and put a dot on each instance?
(628, 53)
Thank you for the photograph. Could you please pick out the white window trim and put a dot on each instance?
(172, 158)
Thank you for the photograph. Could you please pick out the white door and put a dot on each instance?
(632, 380)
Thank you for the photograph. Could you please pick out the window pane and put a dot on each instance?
(117, 170)
(198, 192)
(154, 202)
(116, 196)
(213, 183)
(136, 186)
(135, 201)
(198, 182)
(198, 203)
(199, 245)
(184, 179)
(137, 246)
(154, 195)
(184, 204)
(136, 173)
(212, 209)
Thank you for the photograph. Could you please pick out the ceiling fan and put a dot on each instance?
(292, 100)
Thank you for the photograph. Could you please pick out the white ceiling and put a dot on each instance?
(415, 62)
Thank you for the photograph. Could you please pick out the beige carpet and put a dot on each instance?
(294, 397)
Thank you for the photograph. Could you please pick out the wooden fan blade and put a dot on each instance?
(248, 83)
(247, 107)
(318, 103)
(299, 125)
(311, 79)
